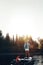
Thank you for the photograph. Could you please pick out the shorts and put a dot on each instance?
(26, 49)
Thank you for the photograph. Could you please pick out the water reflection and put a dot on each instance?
(39, 60)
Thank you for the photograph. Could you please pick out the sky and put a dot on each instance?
(22, 17)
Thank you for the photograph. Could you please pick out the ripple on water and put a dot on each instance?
(39, 60)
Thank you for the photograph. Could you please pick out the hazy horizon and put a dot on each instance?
(22, 17)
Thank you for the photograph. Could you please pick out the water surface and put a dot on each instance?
(39, 60)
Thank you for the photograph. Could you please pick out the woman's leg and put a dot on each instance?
(27, 53)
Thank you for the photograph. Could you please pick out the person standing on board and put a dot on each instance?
(26, 48)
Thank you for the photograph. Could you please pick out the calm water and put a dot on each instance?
(39, 60)
(5, 59)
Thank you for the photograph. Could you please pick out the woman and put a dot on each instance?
(27, 47)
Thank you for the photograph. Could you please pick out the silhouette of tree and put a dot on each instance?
(7, 37)
(0, 33)
(41, 42)
(13, 40)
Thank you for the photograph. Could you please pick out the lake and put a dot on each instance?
(39, 60)
(6, 59)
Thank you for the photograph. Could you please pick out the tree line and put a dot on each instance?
(8, 45)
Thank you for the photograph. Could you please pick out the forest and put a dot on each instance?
(12, 45)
